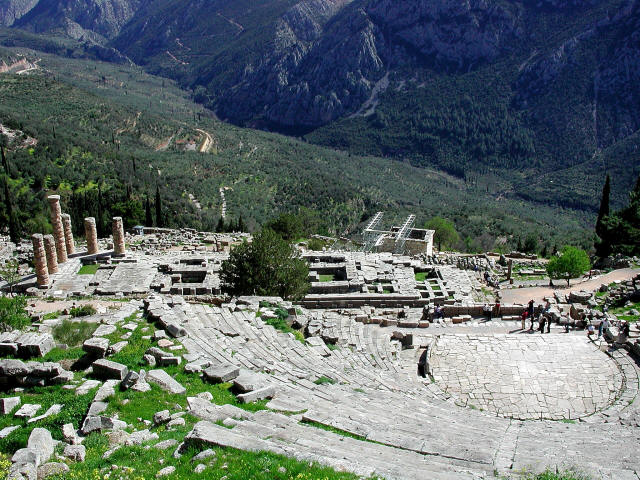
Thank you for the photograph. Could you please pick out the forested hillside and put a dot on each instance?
(537, 99)
(107, 135)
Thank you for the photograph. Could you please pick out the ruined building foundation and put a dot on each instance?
(40, 260)
(118, 237)
(91, 235)
(68, 234)
(58, 229)
(52, 256)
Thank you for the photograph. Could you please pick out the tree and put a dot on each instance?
(267, 266)
(148, 220)
(159, 223)
(287, 225)
(11, 217)
(603, 243)
(571, 263)
(445, 232)
(9, 272)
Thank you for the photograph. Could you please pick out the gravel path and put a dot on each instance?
(523, 295)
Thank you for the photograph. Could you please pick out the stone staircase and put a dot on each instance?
(404, 426)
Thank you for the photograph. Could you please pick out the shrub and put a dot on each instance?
(83, 311)
(13, 315)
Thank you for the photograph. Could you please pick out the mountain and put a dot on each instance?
(95, 20)
(546, 90)
(11, 10)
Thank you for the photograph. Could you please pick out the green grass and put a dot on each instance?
(280, 322)
(88, 269)
(73, 333)
(421, 276)
(51, 315)
(75, 407)
(326, 278)
(324, 380)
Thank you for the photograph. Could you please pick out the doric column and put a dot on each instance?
(91, 234)
(52, 256)
(118, 237)
(68, 234)
(58, 229)
(40, 261)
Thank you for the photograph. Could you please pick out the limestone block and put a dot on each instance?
(7, 405)
(109, 370)
(259, 394)
(221, 373)
(96, 346)
(76, 453)
(165, 381)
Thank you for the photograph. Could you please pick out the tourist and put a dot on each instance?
(542, 320)
(439, 312)
(530, 308)
(600, 327)
(590, 331)
(548, 323)
(623, 333)
(497, 309)
(547, 306)
(487, 311)
(605, 326)
(524, 319)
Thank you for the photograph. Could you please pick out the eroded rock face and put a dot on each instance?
(97, 20)
(329, 55)
(12, 10)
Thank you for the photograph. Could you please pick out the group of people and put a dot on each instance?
(490, 311)
(538, 316)
(623, 330)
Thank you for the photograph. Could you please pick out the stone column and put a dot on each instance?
(52, 256)
(68, 234)
(40, 261)
(118, 237)
(58, 229)
(91, 234)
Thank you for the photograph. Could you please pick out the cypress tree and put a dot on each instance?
(158, 208)
(603, 242)
(604, 207)
(148, 216)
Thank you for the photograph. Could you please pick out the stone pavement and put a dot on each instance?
(526, 377)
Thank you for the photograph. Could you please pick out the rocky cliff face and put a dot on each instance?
(97, 20)
(331, 54)
(12, 10)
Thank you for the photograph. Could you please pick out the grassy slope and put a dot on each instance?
(88, 101)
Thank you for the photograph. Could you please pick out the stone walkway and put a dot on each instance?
(526, 377)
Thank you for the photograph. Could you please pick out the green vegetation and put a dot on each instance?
(619, 232)
(73, 333)
(421, 276)
(116, 117)
(266, 266)
(445, 232)
(75, 408)
(51, 315)
(326, 278)
(572, 263)
(339, 431)
(324, 380)
(9, 271)
(83, 311)
(88, 269)
(280, 322)
(13, 315)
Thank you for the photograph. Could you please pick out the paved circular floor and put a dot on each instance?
(552, 376)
